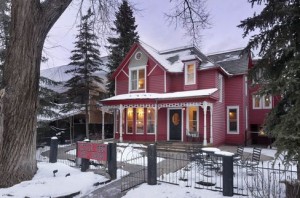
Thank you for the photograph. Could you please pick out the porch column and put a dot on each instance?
(103, 109)
(211, 124)
(121, 122)
(155, 122)
(204, 125)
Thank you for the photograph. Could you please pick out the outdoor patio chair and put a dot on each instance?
(238, 157)
(253, 162)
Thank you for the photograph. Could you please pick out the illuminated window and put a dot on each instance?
(140, 120)
(232, 119)
(267, 102)
(137, 79)
(130, 120)
(193, 118)
(150, 120)
(264, 102)
(117, 124)
(190, 74)
(256, 100)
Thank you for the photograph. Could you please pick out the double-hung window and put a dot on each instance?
(262, 102)
(137, 79)
(233, 119)
(190, 73)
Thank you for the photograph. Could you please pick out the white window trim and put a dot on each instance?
(220, 85)
(264, 104)
(137, 68)
(188, 118)
(238, 120)
(253, 102)
(136, 120)
(147, 121)
(127, 121)
(185, 73)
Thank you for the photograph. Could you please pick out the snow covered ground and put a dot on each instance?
(68, 180)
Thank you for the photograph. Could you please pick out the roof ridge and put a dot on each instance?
(176, 49)
(142, 42)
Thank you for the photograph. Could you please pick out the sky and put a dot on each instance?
(154, 30)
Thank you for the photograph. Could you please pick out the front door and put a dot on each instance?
(175, 124)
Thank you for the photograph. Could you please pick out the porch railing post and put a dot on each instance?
(152, 164)
(112, 160)
(228, 176)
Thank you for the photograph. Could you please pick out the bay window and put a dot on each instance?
(150, 120)
(140, 120)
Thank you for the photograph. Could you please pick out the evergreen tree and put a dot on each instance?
(85, 61)
(279, 43)
(4, 31)
(125, 29)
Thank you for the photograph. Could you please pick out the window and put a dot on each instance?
(190, 74)
(150, 120)
(233, 119)
(267, 102)
(220, 87)
(192, 119)
(264, 102)
(117, 124)
(140, 120)
(256, 102)
(130, 120)
(137, 79)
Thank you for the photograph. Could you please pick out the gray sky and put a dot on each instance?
(154, 30)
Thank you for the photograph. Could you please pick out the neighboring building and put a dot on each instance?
(73, 121)
(169, 95)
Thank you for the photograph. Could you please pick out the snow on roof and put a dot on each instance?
(58, 74)
(232, 61)
(161, 96)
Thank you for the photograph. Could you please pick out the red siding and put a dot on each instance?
(122, 84)
(206, 79)
(177, 82)
(234, 96)
(155, 81)
(162, 124)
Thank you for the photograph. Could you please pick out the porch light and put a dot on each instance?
(261, 132)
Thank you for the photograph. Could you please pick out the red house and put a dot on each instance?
(182, 95)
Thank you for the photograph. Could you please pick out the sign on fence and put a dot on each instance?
(88, 150)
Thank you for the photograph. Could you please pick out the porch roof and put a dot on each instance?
(163, 96)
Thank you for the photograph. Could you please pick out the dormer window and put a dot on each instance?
(137, 79)
(190, 73)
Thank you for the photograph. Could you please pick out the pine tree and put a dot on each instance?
(4, 31)
(279, 44)
(85, 61)
(125, 29)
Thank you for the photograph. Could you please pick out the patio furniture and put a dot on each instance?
(192, 136)
(238, 157)
(251, 163)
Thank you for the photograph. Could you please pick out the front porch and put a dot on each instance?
(159, 119)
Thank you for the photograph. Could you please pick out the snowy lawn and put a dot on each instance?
(44, 184)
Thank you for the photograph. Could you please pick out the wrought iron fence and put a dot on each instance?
(132, 162)
(265, 180)
(191, 169)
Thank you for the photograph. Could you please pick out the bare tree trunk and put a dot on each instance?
(87, 120)
(31, 21)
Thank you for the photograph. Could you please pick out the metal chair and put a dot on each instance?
(238, 157)
(252, 163)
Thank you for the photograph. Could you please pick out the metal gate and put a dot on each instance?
(133, 166)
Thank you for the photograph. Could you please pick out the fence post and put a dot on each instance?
(152, 165)
(53, 150)
(85, 163)
(112, 160)
(228, 176)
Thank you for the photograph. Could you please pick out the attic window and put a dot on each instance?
(190, 73)
(138, 55)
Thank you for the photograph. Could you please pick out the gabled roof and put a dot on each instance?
(232, 62)
(58, 74)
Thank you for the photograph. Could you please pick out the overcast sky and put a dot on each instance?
(154, 30)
